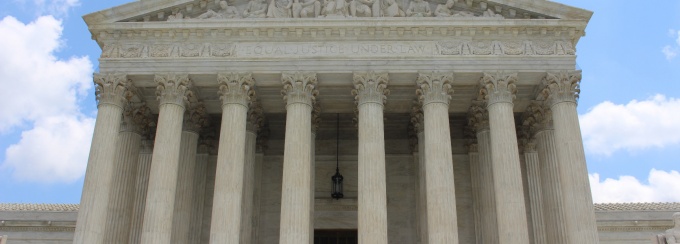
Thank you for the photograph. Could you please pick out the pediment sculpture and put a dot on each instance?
(334, 9)
(672, 236)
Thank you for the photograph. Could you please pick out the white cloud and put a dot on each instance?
(671, 51)
(638, 125)
(51, 7)
(662, 187)
(41, 92)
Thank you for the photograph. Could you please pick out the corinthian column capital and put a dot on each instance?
(173, 88)
(255, 118)
(498, 88)
(236, 88)
(538, 117)
(111, 88)
(299, 87)
(316, 117)
(417, 117)
(434, 87)
(195, 118)
(478, 117)
(370, 87)
(137, 118)
(561, 87)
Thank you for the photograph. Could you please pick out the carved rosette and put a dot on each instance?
(370, 87)
(195, 118)
(434, 87)
(299, 87)
(137, 118)
(111, 88)
(236, 88)
(255, 116)
(417, 117)
(316, 117)
(478, 117)
(498, 88)
(173, 89)
(561, 87)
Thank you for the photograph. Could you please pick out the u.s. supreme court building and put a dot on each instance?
(225, 121)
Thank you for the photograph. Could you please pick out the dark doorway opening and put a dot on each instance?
(336, 237)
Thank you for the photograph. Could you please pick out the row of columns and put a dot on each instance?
(171, 203)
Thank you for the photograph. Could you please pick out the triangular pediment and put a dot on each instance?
(195, 10)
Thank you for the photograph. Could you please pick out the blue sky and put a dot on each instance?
(629, 105)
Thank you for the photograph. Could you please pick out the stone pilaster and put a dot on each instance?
(434, 91)
(561, 92)
(195, 118)
(299, 92)
(417, 118)
(136, 119)
(255, 119)
(554, 213)
(198, 194)
(498, 90)
(173, 95)
(370, 90)
(235, 92)
(110, 92)
(479, 121)
(141, 185)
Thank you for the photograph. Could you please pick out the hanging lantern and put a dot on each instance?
(337, 178)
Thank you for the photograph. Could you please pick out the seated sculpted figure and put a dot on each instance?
(280, 9)
(225, 12)
(673, 235)
(419, 8)
(255, 9)
(390, 8)
(306, 9)
(334, 8)
(489, 13)
(444, 10)
(362, 7)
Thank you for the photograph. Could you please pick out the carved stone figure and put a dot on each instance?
(419, 8)
(280, 9)
(390, 8)
(444, 10)
(177, 16)
(362, 7)
(306, 9)
(335, 8)
(255, 9)
(489, 13)
(225, 12)
(673, 235)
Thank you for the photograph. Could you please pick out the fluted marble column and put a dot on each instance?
(473, 155)
(532, 162)
(316, 121)
(370, 90)
(261, 146)
(252, 126)
(561, 92)
(173, 93)
(498, 90)
(141, 185)
(209, 194)
(419, 126)
(110, 92)
(299, 92)
(195, 118)
(479, 121)
(198, 194)
(435, 93)
(136, 118)
(235, 92)
(554, 213)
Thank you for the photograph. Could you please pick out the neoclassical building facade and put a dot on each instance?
(451, 122)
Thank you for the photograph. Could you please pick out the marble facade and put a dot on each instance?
(417, 92)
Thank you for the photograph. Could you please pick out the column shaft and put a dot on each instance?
(477, 181)
(208, 198)
(141, 184)
(422, 186)
(371, 177)
(185, 186)
(487, 189)
(226, 219)
(122, 192)
(551, 189)
(248, 187)
(535, 197)
(198, 196)
(574, 175)
(160, 199)
(257, 196)
(95, 197)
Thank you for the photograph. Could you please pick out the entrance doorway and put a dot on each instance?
(336, 237)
